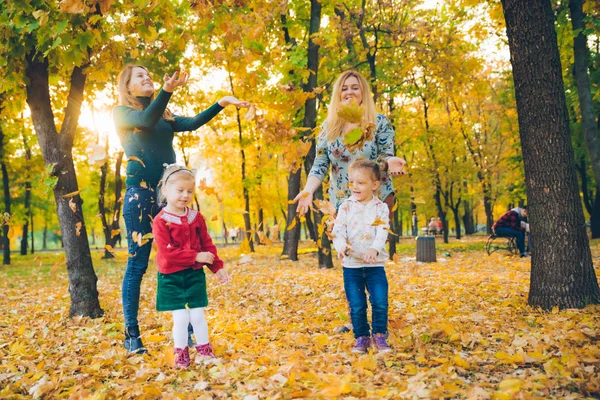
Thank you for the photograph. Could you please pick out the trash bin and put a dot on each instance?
(426, 249)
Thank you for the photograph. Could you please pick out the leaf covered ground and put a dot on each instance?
(460, 328)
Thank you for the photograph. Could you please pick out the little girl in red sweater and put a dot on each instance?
(184, 248)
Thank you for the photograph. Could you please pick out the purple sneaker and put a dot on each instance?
(182, 357)
(380, 342)
(205, 350)
(362, 345)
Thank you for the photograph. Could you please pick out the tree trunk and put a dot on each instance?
(468, 222)
(109, 239)
(562, 273)
(25, 237)
(56, 149)
(6, 220)
(584, 92)
(291, 237)
(45, 236)
(489, 213)
(32, 235)
(310, 121)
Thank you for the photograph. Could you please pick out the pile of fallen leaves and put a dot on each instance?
(459, 327)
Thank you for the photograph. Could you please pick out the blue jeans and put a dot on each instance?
(374, 280)
(138, 209)
(509, 232)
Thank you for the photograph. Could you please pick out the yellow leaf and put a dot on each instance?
(458, 360)
(134, 158)
(250, 114)
(109, 248)
(378, 221)
(155, 338)
(390, 231)
(511, 385)
(555, 310)
(292, 224)
(21, 330)
(69, 195)
(143, 184)
(395, 206)
(72, 205)
(351, 112)
(78, 226)
(11, 233)
(148, 236)
(114, 232)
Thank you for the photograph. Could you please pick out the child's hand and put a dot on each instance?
(342, 254)
(223, 276)
(205, 257)
(345, 252)
(371, 256)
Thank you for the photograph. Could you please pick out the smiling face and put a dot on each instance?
(140, 83)
(351, 91)
(362, 184)
(179, 191)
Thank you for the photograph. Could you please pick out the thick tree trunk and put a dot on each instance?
(562, 273)
(56, 149)
(310, 121)
(489, 213)
(5, 225)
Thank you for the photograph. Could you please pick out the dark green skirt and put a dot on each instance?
(175, 291)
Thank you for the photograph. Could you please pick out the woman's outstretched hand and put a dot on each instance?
(230, 100)
(396, 166)
(173, 82)
(304, 199)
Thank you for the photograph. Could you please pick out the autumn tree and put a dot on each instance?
(562, 273)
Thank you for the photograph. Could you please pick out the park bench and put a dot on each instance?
(495, 243)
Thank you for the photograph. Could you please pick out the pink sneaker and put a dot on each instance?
(362, 345)
(205, 350)
(182, 357)
(380, 342)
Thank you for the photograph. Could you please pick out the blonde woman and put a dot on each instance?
(146, 129)
(351, 86)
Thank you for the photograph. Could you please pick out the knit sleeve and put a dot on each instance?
(182, 124)
(207, 245)
(128, 118)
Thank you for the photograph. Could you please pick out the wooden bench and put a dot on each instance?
(494, 243)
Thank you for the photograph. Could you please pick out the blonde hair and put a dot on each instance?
(173, 173)
(334, 122)
(377, 168)
(128, 99)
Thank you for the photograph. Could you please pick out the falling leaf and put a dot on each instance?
(353, 136)
(114, 232)
(134, 158)
(72, 205)
(292, 224)
(73, 6)
(97, 154)
(109, 248)
(351, 112)
(250, 114)
(395, 207)
(143, 184)
(69, 195)
(378, 221)
(78, 226)
(390, 231)
(326, 207)
(214, 218)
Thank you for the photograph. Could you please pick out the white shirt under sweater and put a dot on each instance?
(362, 227)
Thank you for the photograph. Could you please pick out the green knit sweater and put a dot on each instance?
(147, 136)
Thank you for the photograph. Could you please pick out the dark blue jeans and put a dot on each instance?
(509, 232)
(139, 207)
(359, 281)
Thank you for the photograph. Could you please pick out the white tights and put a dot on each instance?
(181, 319)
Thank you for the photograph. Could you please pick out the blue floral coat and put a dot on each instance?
(337, 155)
